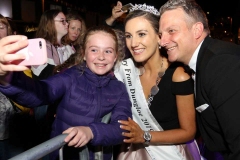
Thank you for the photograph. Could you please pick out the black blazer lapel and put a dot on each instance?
(203, 58)
(207, 120)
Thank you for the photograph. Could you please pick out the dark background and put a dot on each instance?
(218, 7)
(223, 15)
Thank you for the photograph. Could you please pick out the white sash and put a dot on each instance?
(129, 74)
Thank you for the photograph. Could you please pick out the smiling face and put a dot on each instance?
(100, 52)
(74, 29)
(141, 39)
(177, 36)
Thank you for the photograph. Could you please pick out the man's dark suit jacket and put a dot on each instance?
(218, 87)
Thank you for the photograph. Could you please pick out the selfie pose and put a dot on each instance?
(86, 93)
(185, 35)
(163, 124)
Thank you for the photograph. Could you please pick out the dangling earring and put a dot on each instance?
(159, 47)
(141, 70)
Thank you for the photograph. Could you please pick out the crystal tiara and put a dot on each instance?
(145, 8)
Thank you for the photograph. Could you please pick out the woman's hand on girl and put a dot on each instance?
(134, 134)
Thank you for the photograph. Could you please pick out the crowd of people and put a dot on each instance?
(172, 91)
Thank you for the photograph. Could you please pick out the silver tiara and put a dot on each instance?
(145, 8)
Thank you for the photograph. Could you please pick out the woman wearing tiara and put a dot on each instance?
(162, 95)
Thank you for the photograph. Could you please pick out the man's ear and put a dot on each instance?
(198, 29)
(159, 41)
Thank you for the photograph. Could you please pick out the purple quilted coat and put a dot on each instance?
(84, 99)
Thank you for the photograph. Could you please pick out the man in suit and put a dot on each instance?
(184, 32)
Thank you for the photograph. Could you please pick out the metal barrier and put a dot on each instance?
(53, 144)
(42, 149)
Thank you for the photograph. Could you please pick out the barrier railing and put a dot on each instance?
(53, 144)
(42, 149)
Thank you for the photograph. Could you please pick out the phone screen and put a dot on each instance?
(127, 7)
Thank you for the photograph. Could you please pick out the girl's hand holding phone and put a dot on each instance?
(35, 53)
(126, 7)
(116, 11)
(8, 46)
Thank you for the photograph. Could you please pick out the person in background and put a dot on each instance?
(116, 20)
(13, 26)
(14, 129)
(76, 29)
(185, 34)
(6, 108)
(5, 28)
(52, 27)
(88, 91)
(162, 96)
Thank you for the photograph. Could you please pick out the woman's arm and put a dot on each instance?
(116, 13)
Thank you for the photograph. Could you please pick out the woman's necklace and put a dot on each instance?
(155, 89)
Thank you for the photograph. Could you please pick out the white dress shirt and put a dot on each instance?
(193, 62)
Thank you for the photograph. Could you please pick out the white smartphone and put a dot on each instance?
(127, 7)
(35, 52)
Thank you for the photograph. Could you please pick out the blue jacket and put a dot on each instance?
(84, 99)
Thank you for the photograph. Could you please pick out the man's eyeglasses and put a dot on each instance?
(63, 21)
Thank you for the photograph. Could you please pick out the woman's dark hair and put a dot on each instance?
(152, 18)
